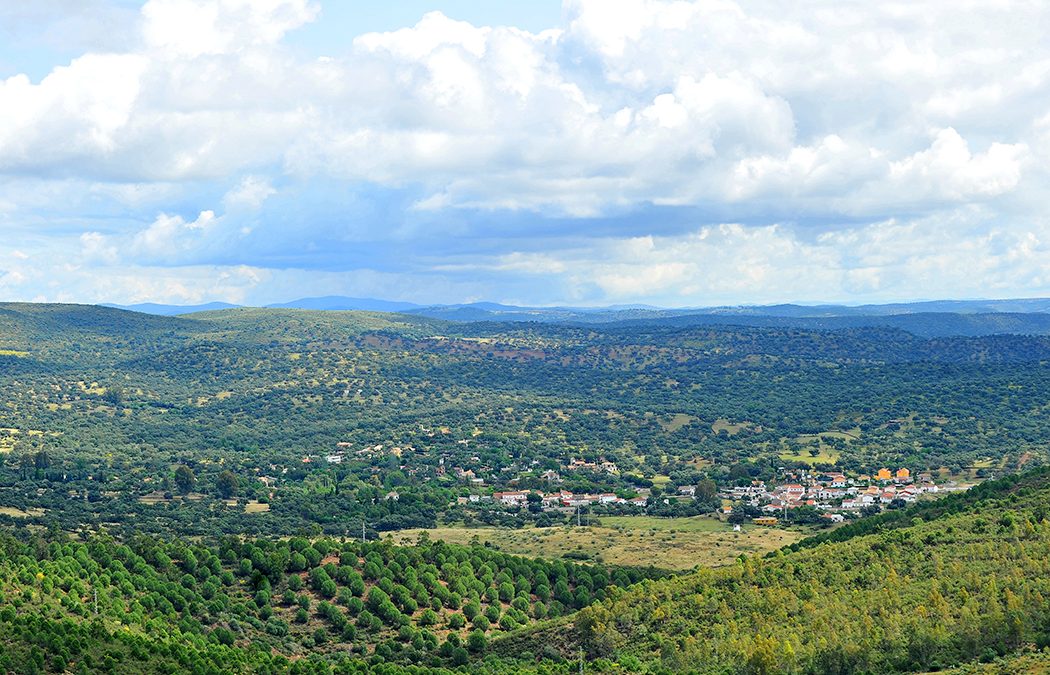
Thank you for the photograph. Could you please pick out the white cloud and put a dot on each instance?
(249, 194)
(923, 123)
(684, 94)
(190, 28)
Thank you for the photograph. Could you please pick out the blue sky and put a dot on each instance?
(587, 152)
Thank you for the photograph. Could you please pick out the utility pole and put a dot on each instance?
(96, 601)
(363, 531)
(577, 515)
(581, 661)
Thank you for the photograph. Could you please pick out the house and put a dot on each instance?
(883, 474)
(608, 498)
(516, 498)
(837, 480)
(834, 517)
(756, 489)
(608, 467)
(687, 490)
(765, 520)
(392, 496)
(794, 490)
(551, 476)
(852, 504)
(638, 501)
(334, 458)
(550, 499)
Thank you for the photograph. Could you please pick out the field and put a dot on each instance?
(824, 456)
(668, 543)
(19, 513)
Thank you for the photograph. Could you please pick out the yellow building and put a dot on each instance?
(883, 474)
(765, 520)
(903, 474)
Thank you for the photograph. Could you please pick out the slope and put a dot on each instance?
(970, 582)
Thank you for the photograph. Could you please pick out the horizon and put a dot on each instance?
(555, 154)
(697, 308)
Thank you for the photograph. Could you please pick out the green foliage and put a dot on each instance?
(109, 414)
(968, 578)
(178, 591)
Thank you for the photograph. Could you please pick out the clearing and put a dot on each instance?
(19, 513)
(639, 541)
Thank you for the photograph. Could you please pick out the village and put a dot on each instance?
(836, 496)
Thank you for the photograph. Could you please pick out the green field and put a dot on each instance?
(824, 456)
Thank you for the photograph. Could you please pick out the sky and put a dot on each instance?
(587, 152)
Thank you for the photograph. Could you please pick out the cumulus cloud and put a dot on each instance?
(249, 194)
(783, 131)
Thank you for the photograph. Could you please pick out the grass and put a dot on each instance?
(668, 543)
(825, 456)
(689, 524)
(825, 453)
(677, 421)
(19, 513)
(728, 427)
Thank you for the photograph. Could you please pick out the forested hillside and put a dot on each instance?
(962, 583)
(150, 605)
(969, 582)
(189, 493)
(221, 422)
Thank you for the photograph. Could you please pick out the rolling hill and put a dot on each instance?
(935, 588)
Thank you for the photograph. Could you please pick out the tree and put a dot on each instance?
(476, 641)
(226, 483)
(184, 479)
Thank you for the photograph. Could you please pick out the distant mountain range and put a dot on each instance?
(339, 302)
(927, 319)
(171, 310)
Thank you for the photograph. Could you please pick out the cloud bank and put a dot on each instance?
(661, 151)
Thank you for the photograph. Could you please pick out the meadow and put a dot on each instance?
(630, 541)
